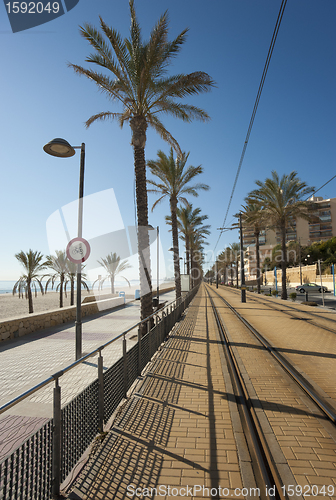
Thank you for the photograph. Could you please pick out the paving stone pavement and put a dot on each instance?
(29, 360)
(175, 432)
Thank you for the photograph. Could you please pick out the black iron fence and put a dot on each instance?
(36, 469)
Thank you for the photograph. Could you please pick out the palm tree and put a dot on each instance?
(280, 200)
(33, 264)
(235, 257)
(196, 252)
(59, 265)
(253, 216)
(188, 219)
(173, 181)
(137, 78)
(71, 275)
(113, 267)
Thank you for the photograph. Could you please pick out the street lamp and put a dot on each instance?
(151, 228)
(62, 149)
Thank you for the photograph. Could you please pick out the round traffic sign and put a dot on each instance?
(78, 250)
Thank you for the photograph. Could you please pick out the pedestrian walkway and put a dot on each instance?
(29, 360)
(175, 433)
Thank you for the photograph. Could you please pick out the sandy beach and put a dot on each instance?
(11, 307)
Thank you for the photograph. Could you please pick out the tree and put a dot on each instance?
(188, 220)
(253, 216)
(59, 265)
(197, 240)
(235, 257)
(173, 182)
(280, 199)
(140, 83)
(71, 276)
(33, 264)
(113, 267)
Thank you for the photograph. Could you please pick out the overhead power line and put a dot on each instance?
(319, 189)
(261, 85)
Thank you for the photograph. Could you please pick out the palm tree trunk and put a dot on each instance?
(237, 273)
(138, 125)
(283, 262)
(259, 275)
(187, 245)
(61, 292)
(112, 283)
(192, 270)
(173, 207)
(72, 291)
(30, 298)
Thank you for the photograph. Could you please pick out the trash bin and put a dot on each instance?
(137, 294)
(155, 302)
(122, 294)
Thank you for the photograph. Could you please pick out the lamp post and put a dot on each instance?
(62, 149)
(242, 263)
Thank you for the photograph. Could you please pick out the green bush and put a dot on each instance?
(309, 303)
(275, 293)
(292, 296)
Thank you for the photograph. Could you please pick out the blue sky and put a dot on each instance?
(42, 98)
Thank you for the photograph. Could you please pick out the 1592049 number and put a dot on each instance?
(32, 7)
(308, 490)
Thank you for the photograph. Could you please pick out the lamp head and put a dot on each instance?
(59, 147)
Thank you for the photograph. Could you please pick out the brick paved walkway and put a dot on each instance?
(175, 431)
(29, 360)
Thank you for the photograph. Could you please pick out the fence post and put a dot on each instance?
(139, 351)
(57, 436)
(149, 339)
(100, 393)
(125, 365)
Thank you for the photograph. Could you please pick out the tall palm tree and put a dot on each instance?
(113, 267)
(58, 264)
(188, 219)
(33, 264)
(253, 216)
(173, 182)
(280, 199)
(197, 240)
(136, 76)
(235, 257)
(71, 276)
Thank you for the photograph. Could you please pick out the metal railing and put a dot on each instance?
(36, 469)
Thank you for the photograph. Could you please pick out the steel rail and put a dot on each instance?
(264, 467)
(272, 306)
(299, 379)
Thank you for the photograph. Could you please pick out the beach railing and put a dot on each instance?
(36, 469)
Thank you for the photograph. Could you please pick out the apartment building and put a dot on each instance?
(323, 228)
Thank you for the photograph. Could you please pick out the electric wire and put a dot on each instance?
(319, 189)
(261, 85)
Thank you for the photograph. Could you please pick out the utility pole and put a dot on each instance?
(242, 274)
(300, 262)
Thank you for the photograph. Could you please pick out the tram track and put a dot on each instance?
(287, 366)
(258, 439)
(293, 312)
(264, 470)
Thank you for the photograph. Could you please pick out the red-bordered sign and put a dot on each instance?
(78, 250)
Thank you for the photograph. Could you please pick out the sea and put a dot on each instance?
(6, 286)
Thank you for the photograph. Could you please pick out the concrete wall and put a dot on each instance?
(38, 321)
(309, 275)
(14, 328)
